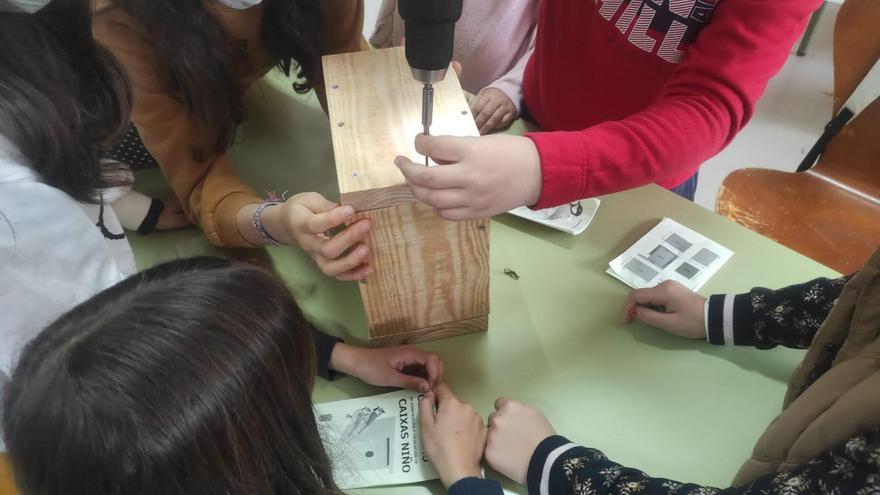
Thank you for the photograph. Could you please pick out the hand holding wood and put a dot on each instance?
(478, 177)
(308, 218)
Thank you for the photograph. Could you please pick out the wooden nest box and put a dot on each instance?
(431, 277)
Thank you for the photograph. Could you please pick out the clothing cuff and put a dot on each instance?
(729, 320)
(539, 478)
(562, 170)
(152, 218)
(324, 345)
(706, 319)
(225, 231)
(475, 486)
(131, 209)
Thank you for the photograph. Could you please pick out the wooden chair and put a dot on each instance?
(7, 485)
(830, 213)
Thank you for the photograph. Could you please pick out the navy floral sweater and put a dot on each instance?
(762, 318)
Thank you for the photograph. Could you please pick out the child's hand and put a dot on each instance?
(515, 431)
(682, 313)
(401, 367)
(454, 435)
(307, 219)
(172, 216)
(482, 177)
(492, 110)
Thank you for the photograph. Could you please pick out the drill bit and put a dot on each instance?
(427, 111)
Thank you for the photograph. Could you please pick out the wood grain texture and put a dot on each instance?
(375, 114)
(451, 329)
(429, 271)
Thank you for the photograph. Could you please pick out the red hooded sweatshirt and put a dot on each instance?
(631, 92)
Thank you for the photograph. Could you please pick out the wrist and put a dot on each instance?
(461, 474)
(272, 218)
(344, 358)
(534, 171)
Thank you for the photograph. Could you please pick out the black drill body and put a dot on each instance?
(430, 38)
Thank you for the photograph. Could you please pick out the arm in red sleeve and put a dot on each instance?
(709, 98)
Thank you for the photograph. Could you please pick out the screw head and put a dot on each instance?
(464, 112)
(482, 227)
(335, 86)
(341, 124)
(364, 282)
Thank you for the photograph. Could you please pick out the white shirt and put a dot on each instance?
(53, 256)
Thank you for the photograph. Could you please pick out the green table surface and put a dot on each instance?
(674, 408)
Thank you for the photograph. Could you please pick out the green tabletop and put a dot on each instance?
(674, 408)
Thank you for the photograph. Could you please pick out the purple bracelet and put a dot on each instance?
(258, 221)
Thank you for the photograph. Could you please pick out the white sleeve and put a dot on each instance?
(131, 208)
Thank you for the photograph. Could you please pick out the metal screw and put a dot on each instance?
(464, 112)
(355, 174)
(482, 227)
(364, 281)
(341, 124)
(335, 86)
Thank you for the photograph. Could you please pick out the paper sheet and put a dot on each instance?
(375, 441)
(572, 218)
(670, 251)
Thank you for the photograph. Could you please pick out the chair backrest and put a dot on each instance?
(853, 157)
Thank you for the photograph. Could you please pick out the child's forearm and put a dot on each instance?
(563, 467)
(765, 318)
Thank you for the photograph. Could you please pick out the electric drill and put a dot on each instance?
(430, 36)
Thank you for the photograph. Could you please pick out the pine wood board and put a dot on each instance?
(430, 272)
(375, 114)
(452, 329)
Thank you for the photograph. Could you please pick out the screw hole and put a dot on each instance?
(335, 86)
(355, 174)
(341, 124)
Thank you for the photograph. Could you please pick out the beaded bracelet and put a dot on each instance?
(258, 221)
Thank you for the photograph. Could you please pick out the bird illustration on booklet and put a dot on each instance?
(375, 441)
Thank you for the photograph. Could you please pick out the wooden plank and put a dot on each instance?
(375, 114)
(452, 329)
(429, 271)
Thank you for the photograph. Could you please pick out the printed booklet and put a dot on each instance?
(573, 218)
(375, 441)
(670, 251)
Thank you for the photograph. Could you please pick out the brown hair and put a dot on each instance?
(192, 378)
(200, 65)
(63, 99)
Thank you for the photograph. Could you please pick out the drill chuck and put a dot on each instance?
(430, 36)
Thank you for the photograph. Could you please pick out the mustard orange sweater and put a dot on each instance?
(210, 191)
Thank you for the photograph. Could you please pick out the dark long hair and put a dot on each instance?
(192, 378)
(202, 67)
(62, 98)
